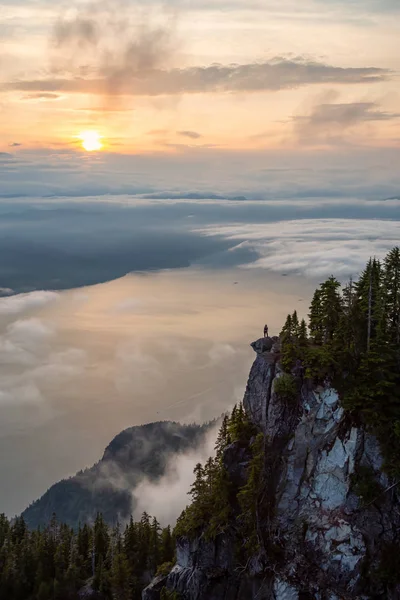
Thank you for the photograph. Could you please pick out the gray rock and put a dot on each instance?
(236, 461)
(324, 533)
(262, 345)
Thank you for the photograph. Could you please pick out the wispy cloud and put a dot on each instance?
(273, 75)
(193, 135)
(333, 120)
(41, 96)
(107, 40)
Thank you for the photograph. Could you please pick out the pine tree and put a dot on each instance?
(287, 330)
(295, 324)
(198, 487)
(369, 309)
(331, 308)
(101, 539)
(167, 545)
(315, 317)
(391, 283)
(223, 437)
(303, 335)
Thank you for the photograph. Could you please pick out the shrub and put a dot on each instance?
(165, 568)
(285, 387)
(168, 594)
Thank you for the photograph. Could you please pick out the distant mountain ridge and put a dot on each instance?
(138, 452)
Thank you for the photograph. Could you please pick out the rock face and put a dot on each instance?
(320, 539)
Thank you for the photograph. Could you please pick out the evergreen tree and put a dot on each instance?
(315, 316)
(369, 308)
(391, 283)
(331, 308)
(223, 437)
(295, 325)
(303, 335)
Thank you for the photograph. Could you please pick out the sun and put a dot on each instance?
(91, 140)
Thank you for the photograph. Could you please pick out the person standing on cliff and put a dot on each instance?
(266, 331)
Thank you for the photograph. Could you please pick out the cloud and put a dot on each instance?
(273, 75)
(333, 120)
(14, 145)
(128, 305)
(32, 365)
(61, 366)
(221, 352)
(30, 328)
(28, 394)
(24, 302)
(114, 42)
(314, 247)
(169, 496)
(25, 342)
(4, 291)
(41, 96)
(190, 134)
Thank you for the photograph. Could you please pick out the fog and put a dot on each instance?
(79, 366)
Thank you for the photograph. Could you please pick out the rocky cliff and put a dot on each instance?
(328, 518)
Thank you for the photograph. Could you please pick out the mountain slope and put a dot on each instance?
(137, 452)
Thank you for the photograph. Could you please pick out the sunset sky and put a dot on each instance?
(198, 81)
(229, 154)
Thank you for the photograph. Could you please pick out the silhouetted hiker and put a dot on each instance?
(266, 331)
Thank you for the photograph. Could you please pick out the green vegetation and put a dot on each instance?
(165, 569)
(285, 387)
(354, 343)
(168, 595)
(249, 496)
(211, 507)
(54, 563)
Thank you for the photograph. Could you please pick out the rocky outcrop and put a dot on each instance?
(328, 515)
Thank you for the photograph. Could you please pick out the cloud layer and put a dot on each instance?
(23, 302)
(313, 247)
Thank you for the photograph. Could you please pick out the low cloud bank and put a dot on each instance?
(314, 247)
(13, 305)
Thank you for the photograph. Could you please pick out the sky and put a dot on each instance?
(184, 92)
(240, 152)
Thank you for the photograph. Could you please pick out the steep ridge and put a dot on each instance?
(328, 517)
(107, 486)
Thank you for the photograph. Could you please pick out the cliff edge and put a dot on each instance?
(327, 517)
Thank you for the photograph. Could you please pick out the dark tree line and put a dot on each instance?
(215, 501)
(56, 562)
(353, 341)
